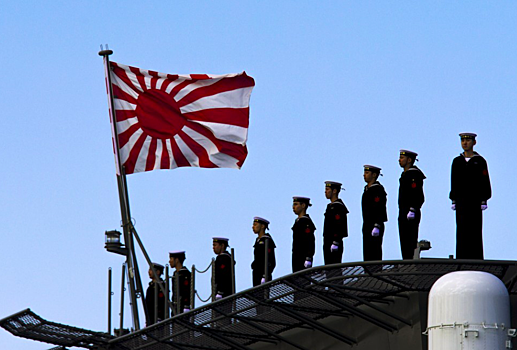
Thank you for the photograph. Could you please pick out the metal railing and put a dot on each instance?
(170, 301)
(263, 313)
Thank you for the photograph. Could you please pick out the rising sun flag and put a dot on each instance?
(166, 121)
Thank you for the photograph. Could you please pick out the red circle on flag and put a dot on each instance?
(158, 114)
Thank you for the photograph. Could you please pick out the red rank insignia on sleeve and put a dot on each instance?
(377, 199)
(338, 217)
(185, 283)
(223, 266)
(307, 230)
(413, 185)
(485, 172)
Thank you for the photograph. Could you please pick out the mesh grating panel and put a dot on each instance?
(314, 294)
(263, 313)
(29, 325)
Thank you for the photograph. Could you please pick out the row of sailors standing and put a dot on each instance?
(335, 227)
(470, 191)
(155, 298)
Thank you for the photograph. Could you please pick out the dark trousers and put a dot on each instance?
(257, 277)
(332, 257)
(372, 246)
(408, 232)
(298, 262)
(469, 231)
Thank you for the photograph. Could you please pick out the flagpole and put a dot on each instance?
(133, 273)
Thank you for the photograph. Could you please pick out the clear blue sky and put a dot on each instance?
(339, 84)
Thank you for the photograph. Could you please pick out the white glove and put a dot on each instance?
(411, 215)
(263, 280)
(307, 264)
(334, 247)
(453, 206)
(186, 310)
(218, 296)
(484, 206)
(375, 232)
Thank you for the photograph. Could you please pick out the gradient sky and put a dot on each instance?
(339, 84)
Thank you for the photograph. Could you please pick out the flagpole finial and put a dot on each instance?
(106, 52)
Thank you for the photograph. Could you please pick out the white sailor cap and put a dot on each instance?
(333, 184)
(301, 199)
(468, 135)
(411, 154)
(261, 220)
(372, 168)
(158, 266)
(177, 254)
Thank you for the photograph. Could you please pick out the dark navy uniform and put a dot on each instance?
(411, 198)
(470, 188)
(303, 242)
(335, 228)
(374, 215)
(184, 277)
(150, 302)
(223, 274)
(258, 264)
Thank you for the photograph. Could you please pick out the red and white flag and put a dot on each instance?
(168, 121)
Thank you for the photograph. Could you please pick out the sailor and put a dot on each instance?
(303, 235)
(154, 297)
(223, 268)
(374, 214)
(411, 199)
(335, 226)
(258, 266)
(470, 191)
(181, 293)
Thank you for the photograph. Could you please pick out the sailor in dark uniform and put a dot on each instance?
(374, 214)
(411, 199)
(223, 268)
(303, 235)
(258, 265)
(154, 297)
(335, 226)
(181, 293)
(470, 191)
